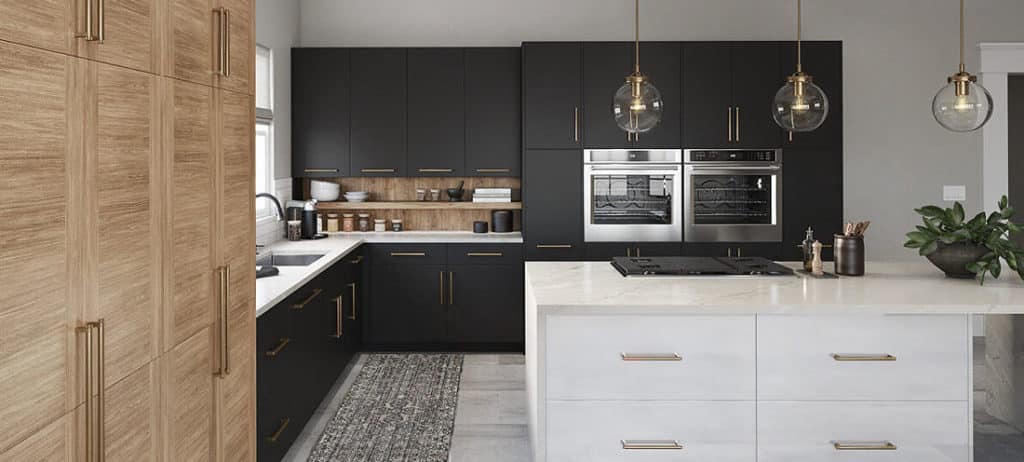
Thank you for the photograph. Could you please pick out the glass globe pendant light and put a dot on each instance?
(637, 104)
(800, 105)
(962, 105)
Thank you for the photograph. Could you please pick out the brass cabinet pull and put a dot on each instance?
(408, 254)
(320, 170)
(339, 305)
(436, 170)
(218, 13)
(226, 42)
(729, 252)
(737, 124)
(554, 246)
(576, 125)
(629, 253)
(280, 429)
(90, 32)
(493, 170)
(730, 124)
(847, 357)
(651, 357)
(791, 136)
(441, 287)
(352, 285)
(485, 254)
(451, 288)
(95, 438)
(377, 170)
(101, 26)
(864, 445)
(739, 252)
(302, 304)
(225, 280)
(651, 444)
(357, 260)
(637, 251)
(283, 342)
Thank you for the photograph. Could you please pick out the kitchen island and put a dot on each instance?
(783, 368)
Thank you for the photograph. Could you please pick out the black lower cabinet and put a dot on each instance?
(274, 418)
(604, 251)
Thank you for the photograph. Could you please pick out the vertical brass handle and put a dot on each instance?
(739, 251)
(101, 27)
(95, 440)
(730, 124)
(280, 429)
(339, 306)
(791, 136)
(451, 288)
(737, 124)
(441, 287)
(637, 251)
(89, 34)
(729, 252)
(226, 43)
(89, 385)
(352, 285)
(225, 279)
(576, 125)
(101, 397)
(651, 444)
(864, 445)
(629, 253)
(218, 16)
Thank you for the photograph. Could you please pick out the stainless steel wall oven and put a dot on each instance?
(733, 195)
(632, 195)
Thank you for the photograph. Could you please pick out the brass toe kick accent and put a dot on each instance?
(864, 445)
(651, 445)
(280, 429)
(853, 357)
(651, 357)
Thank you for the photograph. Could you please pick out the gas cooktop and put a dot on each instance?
(699, 266)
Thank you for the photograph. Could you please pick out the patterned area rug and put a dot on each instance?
(401, 408)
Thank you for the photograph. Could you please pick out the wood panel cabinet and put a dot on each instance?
(188, 388)
(190, 32)
(239, 59)
(493, 111)
(131, 35)
(46, 24)
(378, 112)
(553, 204)
(320, 112)
(552, 102)
(437, 112)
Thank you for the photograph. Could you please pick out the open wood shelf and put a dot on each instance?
(419, 205)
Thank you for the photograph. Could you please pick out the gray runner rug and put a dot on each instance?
(401, 408)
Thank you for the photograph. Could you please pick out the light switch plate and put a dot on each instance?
(954, 193)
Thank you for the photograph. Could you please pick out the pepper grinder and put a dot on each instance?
(817, 268)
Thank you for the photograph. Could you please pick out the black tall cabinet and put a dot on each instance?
(551, 95)
(320, 112)
(493, 114)
(378, 112)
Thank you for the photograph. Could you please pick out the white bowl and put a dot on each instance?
(324, 191)
(357, 196)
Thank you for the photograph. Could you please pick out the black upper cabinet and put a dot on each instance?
(824, 61)
(437, 112)
(814, 181)
(727, 92)
(553, 204)
(320, 115)
(661, 62)
(378, 112)
(493, 116)
(551, 95)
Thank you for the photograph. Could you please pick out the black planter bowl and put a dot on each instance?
(455, 195)
(953, 259)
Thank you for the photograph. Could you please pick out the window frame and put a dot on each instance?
(265, 118)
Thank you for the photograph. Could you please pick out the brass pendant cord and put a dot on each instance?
(636, 43)
(799, 36)
(963, 68)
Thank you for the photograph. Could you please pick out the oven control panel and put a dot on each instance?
(747, 155)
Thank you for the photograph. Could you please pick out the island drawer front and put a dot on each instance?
(902, 358)
(588, 431)
(485, 254)
(917, 431)
(715, 357)
(409, 254)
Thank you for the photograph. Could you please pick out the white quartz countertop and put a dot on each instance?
(271, 290)
(888, 288)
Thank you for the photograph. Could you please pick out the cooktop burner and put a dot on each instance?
(699, 266)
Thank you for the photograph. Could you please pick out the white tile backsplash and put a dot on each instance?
(271, 231)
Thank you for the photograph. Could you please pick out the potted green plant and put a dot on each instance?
(971, 248)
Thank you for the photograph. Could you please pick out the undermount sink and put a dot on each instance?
(276, 259)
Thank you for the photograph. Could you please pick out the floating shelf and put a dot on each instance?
(419, 205)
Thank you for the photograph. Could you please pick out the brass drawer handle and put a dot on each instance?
(321, 170)
(377, 170)
(436, 170)
(95, 435)
(352, 285)
(485, 254)
(845, 357)
(576, 125)
(554, 246)
(864, 445)
(339, 305)
(280, 429)
(651, 357)
(408, 254)
(730, 124)
(651, 444)
(440, 289)
(494, 170)
(225, 280)
(451, 288)
(357, 260)
(302, 304)
(226, 43)
(280, 346)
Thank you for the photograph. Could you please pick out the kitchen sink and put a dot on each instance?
(276, 259)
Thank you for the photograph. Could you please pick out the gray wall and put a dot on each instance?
(898, 53)
(277, 27)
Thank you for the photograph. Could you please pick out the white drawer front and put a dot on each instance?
(917, 431)
(837, 358)
(667, 357)
(581, 431)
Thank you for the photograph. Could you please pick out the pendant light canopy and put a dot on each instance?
(962, 105)
(800, 105)
(637, 105)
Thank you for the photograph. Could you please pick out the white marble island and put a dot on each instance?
(785, 369)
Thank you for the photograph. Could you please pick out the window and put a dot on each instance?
(264, 128)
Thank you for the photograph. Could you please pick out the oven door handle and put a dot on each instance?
(720, 167)
(635, 170)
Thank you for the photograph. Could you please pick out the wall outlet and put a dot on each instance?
(954, 193)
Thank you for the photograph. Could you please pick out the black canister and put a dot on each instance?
(480, 227)
(849, 255)
(501, 221)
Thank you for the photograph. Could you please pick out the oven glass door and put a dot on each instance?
(731, 204)
(633, 205)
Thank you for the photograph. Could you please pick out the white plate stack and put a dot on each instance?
(492, 195)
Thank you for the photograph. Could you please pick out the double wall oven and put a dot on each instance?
(733, 195)
(632, 195)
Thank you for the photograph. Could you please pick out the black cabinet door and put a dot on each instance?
(755, 70)
(661, 62)
(553, 204)
(605, 65)
(320, 112)
(378, 112)
(707, 96)
(273, 385)
(769, 250)
(824, 61)
(493, 111)
(408, 303)
(605, 251)
(486, 303)
(437, 112)
(657, 249)
(354, 308)
(814, 180)
(312, 309)
(551, 95)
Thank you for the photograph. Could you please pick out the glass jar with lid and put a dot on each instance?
(348, 222)
(364, 222)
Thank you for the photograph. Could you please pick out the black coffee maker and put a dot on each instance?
(309, 230)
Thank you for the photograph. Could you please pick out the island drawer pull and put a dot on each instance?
(651, 444)
(485, 254)
(651, 357)
(280, 429)
(848, 357)
(864, 445)
(302, 304)
(280, 346)
(554, 246)
(494, 170)
(436, 170)
(377, 170)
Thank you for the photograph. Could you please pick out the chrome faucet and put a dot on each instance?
(280, 211)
